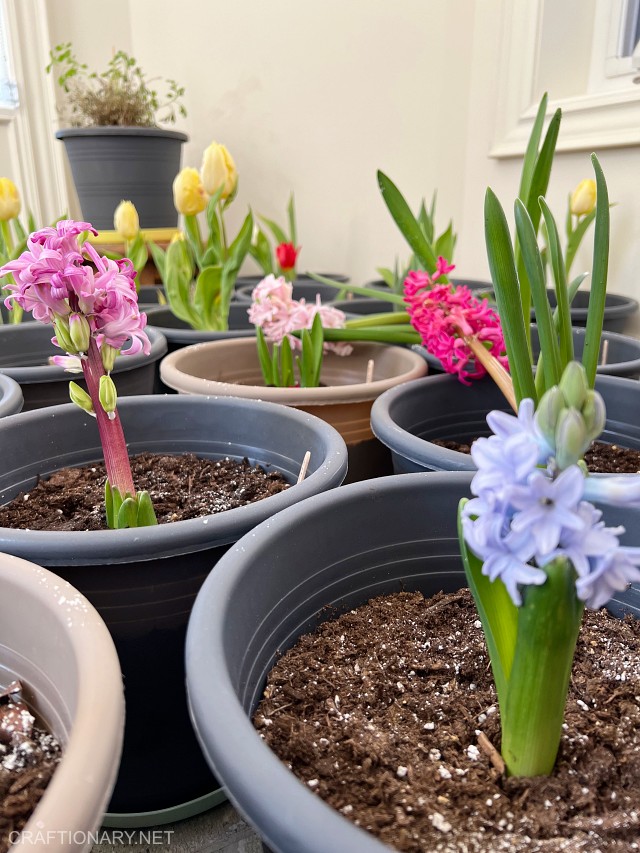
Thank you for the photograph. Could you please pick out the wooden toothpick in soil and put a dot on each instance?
(303, 467)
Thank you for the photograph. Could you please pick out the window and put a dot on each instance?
(586, 54)
(8, 86)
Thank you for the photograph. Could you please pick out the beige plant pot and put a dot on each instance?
(231, 368)
(56, 644)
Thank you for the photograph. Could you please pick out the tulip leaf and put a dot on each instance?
(158, 256)
(409, 226)
(597, 296)
(361, 291)
(576, 236)
(291, 215)
(260, 251)
(275, 229)
(445, 245)
(506, 289)
(192, 230)
(533, 265)
(563, 311)
(21, 234)
(206, 297)
(177, 282)
(531, 154)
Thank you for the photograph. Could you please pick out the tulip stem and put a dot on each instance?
(7, 237)
(223, 233)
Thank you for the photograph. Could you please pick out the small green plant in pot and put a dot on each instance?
(199, 274)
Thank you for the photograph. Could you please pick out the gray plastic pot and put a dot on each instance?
(301, 289)
(325, 556)
(406, 418)
(231, 367)
(179, 334)
(623, 353)
(11, 399)
(136, 163)
(54, 642)
(26, 347)
(143, 581)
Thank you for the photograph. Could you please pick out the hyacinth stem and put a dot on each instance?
(116, 457)
(493, 367)
(548, 625)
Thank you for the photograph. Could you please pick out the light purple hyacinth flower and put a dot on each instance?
(524, 516)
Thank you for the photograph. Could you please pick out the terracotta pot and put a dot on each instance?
(231, 368)
(54, 642)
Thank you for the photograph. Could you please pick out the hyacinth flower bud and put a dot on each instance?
(218, 170)
(108, 396)
(63, 335)
(571, 439)
(79, 332)
(109, 355)
(583, 198)
(574, 384)
(594, 414)
(126, 221)
(551, 404)
(189, 196)
(9, 200)
(80, 397)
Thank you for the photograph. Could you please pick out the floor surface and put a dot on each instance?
(220, 830)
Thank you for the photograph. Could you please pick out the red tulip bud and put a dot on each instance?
(287, 255)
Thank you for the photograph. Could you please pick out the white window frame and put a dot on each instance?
(608, 115)
(31, 126)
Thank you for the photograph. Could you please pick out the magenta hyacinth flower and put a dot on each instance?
(444, 315)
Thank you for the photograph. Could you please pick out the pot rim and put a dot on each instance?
(120, 130)
(172, 375)
(53, 373)
(11, 397)
(411, 446)
(91, 770)
(95, 547)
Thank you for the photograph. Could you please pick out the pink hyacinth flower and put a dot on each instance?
(444, 315)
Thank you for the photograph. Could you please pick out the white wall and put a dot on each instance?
(315, 96)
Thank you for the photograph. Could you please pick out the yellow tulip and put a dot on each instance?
(189, 196)
(125, 220)
(583, 199)
(218, 170)
(9, 200)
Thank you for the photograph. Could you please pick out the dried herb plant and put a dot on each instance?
(119, 96)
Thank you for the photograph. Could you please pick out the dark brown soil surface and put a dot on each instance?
(388, 713)
(601, 458)
(28, 757)
(181, 487)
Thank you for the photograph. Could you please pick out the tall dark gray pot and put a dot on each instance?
(110, 164)
(386, 535)
(406, 418)
(143, 581)
(26, 347)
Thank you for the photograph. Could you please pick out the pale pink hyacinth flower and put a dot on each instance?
(278, 314)
(443, 314)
